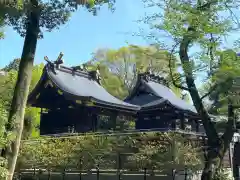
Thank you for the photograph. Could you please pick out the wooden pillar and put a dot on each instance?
(94, 120)
(197, 125)
(173, 125)
(230, 155)
(113, 119)
(202, 143)
(236, 161)
(182, 122)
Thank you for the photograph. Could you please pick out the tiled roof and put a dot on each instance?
(80, 84)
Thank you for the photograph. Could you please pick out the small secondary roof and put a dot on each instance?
(159, 95)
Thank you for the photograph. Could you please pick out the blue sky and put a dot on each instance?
(82, 35)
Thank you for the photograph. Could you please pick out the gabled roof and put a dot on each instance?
(167, 94)
(78, 85)
(159, 93)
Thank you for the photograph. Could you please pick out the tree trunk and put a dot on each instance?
(217, 146)
(19, 101)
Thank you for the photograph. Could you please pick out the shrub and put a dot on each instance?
(138, 151)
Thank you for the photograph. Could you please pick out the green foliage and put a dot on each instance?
(175, 17)
(1, 28)
(201, 25)
(223, 174)
(57, 153)
(112, 83)
(125, 63)
(94, 5)
(226, 72)
(7, 87)
(136, 151)
(32, 116)
(3, 141)
(179, 15)
(13, 65)
(158, 154)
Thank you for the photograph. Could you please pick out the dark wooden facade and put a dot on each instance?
(68, 121)
(164, 120)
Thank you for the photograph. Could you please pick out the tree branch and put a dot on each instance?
(211, 52)
(213, 88)
(207, 5)
(183, 53)
(170, 69)
(229, 130)
(234, 16)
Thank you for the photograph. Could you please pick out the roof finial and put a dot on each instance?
(184, 95)
(134, 69)
(59, 59)
(84, 67)
(98, 75)
(81, 67)
(46, 59)
(150, 67)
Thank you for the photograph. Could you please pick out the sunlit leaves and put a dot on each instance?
(6, 88)
(61, 152)
(85, 152)
(1, 28)
(179, 15)
(13, 65)
(3, 140)
(159, 154)
(112, 83)
(228, 70)
(32, 116)
(126, 62)
(201, 26)
(175, 17)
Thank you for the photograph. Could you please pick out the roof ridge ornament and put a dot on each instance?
(98, 75)
(81, 67)
(57, 62)
(50, 64)
(147, 76)
(95, 75)
(59, 59)
(184, 95)
(149, 69)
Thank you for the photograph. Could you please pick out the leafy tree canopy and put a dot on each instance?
(32, 119)
(126, 62)
(1, 28)
(13, 65)
(202, 25)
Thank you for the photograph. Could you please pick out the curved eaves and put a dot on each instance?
(82, 87)
(166, 93)
(37, 89)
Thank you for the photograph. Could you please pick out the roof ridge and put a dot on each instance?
(74, 71)
(147, 76)
(93, 75)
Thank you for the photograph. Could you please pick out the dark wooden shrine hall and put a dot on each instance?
(72, 100)
(160, 107)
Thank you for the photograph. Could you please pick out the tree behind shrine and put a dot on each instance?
(126, 62)
(198, 23)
